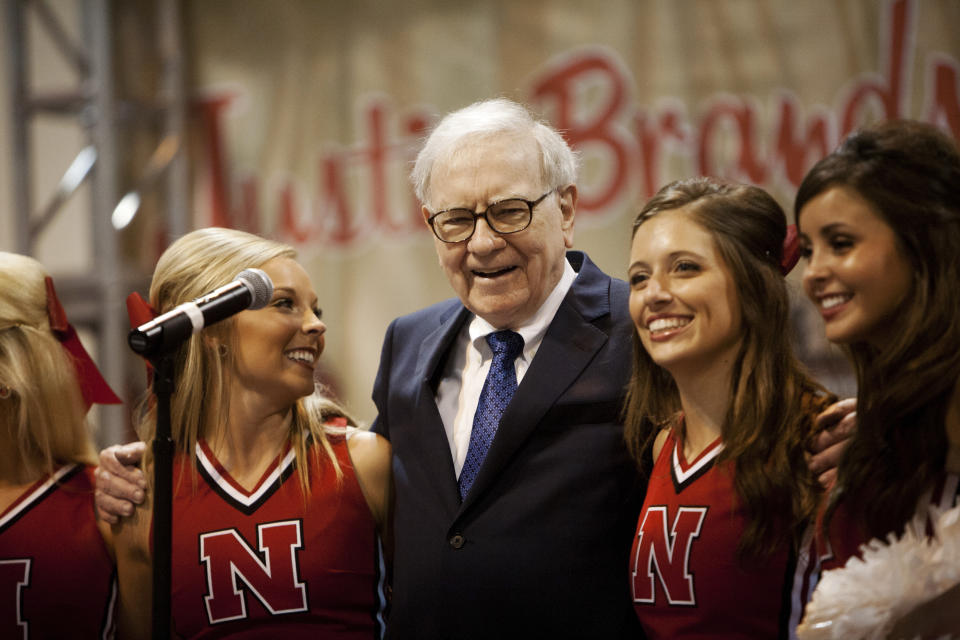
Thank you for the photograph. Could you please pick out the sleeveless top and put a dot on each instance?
(846, 534)
(57, 579)
(273, 562)
(685, 578)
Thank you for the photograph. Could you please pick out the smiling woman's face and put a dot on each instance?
(855, 271)
(279, 345)
(682, 296)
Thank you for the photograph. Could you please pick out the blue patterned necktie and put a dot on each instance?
(497, 391)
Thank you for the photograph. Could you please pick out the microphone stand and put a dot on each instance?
(163, 386)
(157, 340)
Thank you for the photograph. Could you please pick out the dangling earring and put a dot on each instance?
(4, 392)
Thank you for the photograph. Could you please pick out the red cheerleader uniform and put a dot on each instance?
(57, 579)
(273, 562)
(685, 578)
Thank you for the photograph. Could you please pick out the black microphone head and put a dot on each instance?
(260, 286)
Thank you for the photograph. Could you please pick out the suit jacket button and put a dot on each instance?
(457, 541)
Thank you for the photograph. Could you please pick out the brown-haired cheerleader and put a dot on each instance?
(720, 542)
(880, 222)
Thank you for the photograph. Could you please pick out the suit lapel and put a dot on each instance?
(570, 343)
(436, 448)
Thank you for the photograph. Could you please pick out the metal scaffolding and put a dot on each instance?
(95, 299)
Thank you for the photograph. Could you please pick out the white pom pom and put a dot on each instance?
(867, 596)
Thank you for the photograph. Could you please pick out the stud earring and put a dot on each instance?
(4, 392)
(222, 350)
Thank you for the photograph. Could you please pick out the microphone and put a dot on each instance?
(252, 289)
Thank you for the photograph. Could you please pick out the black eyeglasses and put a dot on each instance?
(506, 216)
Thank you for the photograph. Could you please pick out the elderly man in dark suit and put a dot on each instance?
(515, 499)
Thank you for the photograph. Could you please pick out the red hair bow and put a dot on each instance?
(139, 310)
(92, 384)
(791, 250)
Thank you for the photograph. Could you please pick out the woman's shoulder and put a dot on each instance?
(367, 452)
(661, 441)
(368, 445)
(370, 454)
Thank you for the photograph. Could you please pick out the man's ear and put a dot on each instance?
(568, 211)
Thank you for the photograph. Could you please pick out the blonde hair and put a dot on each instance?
(44, 417)
(195, 264)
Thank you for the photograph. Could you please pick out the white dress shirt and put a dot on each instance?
(458, 393)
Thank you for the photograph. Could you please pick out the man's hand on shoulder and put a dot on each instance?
(834, 428)
(120, 482)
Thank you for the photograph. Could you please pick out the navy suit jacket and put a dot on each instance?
(539, 547)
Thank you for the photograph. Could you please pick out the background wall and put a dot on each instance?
(307, 114)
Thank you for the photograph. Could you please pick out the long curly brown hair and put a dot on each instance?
(772, 399)
(910, 173)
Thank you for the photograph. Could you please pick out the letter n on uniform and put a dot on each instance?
(14, 577)
(666, 554)
(235, 569)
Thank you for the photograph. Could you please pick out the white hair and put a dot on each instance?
(489, 118)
